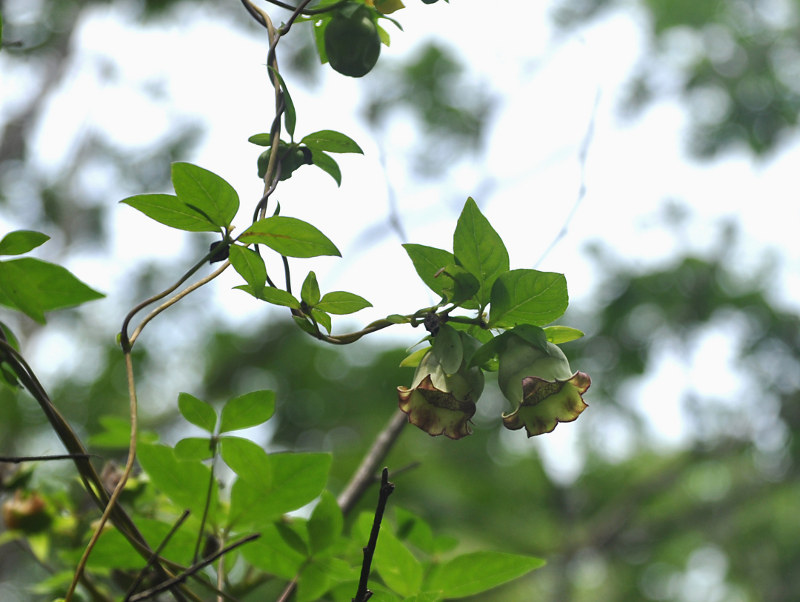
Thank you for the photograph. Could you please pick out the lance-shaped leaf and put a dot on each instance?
(479, 249)
(562, 334)
(21, 241)
(342, 302)
(250, 266)
(428, 262)
(527, 297)
(309, 292)
(206, 193)
(169, 210)
(290, 237)
(332, 142)
(327, 164)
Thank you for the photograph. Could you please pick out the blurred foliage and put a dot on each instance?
(734, 64)
(451, 111)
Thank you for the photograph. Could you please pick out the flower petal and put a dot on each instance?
(546, 403)
(434, 411)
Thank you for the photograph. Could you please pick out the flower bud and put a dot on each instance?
(441, 403)
(540, 386)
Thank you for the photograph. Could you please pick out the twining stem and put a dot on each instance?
(120, 485)
(173, 300)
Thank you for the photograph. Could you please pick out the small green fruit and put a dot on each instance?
(352, 42)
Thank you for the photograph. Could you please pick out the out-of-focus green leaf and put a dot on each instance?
(325, 524)
(197, 411)
(289, 236)
(248, 460)
(185, 482)
(205, 192)
(34, 287)
(250, 409)
(194, 448)
(169, 210)
(527, 297)
(21, 241)
(562, 334)
(478, 572)
(396, 565)
(273, 555)
(479, 249)
(297, 478)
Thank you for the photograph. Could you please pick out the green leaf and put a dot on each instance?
(561, 334)
(413, 360)
(297, 478)
(342, 302)
(261, 139)
(290, 237)
(322, 319)
(532, 334)
(460, 286)
(116, 552)
(194, 448)
(396, 565)
(276, 296)
(528, 297)
(325, 524)
(21, 241)
(309, 292)
(197, 411)
(185, 482)
(250, 266)
(327, 164)
(248, 460)
(169, 210)
(250, 409)
(331, 141)
(116, 434)
(289, 114)
(448, 349)
(205, 192)
(478, 572)
(479, 249)
(273, 555)
(428, 262)
(34, 286)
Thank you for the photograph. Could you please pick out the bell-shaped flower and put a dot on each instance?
(540, 386)
(441, 403)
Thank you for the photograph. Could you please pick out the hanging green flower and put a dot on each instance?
(440, 403)
(540, 386)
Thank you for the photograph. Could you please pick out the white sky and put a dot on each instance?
(215, 73)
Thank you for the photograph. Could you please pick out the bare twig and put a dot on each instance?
(20, 459)
(363, 594)
(583, 154)
(365, 474)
